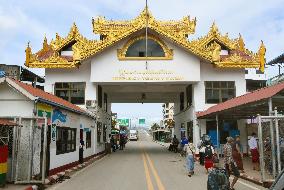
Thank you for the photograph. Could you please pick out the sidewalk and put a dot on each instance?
(249, 175)
(57, 178)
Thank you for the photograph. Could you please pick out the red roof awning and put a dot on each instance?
(257, 95)
(49, 97)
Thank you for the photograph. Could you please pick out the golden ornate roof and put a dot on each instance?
(210, 47)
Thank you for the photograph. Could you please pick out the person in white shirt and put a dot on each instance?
(254, 151)
(190, 157)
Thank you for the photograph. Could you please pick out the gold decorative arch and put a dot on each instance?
(122, 52)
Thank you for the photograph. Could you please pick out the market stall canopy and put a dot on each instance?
(248, 105)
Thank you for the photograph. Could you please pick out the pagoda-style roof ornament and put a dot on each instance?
(210, 47)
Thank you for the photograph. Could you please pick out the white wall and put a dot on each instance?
(13, 103)
(81, 74)
(78, 122)
(254, 76)
(209, 73)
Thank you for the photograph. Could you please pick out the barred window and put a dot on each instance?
(73, 92)
(219, 91)
(66, 140)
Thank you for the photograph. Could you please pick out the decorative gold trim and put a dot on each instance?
(122, 52)
(54, 61)
(237, 61)
(177, 31)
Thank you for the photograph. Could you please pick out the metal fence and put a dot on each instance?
(271, 145)
(27, 143)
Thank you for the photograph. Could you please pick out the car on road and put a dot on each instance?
(133, 134)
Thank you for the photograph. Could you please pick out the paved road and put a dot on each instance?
(143, 165)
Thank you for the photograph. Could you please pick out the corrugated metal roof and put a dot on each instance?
(257, 95)
(279, 59)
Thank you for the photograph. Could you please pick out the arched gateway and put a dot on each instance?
(118, 67)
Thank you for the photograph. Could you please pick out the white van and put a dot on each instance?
(133, 135)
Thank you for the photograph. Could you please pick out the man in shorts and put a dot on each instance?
(229, 162)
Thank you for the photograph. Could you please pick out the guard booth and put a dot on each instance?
(6, 150)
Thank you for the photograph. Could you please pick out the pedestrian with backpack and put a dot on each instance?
(208, 151)
(190, 157)
(229, 162)
(217, 178)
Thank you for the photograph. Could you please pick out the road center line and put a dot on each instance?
(147, 174)
(158, 180)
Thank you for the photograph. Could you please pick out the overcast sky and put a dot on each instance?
(23, 21)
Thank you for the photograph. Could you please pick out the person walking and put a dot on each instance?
(208, 151)
(175, 143)
(229, 162)
(112, 143)
(184, 141)
(121, 142)
(238, 153)
(254, 151)
(81, 151)
(190, 157)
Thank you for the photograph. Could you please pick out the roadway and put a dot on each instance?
(143, 165)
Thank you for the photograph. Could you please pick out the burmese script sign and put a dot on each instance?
(147, 75)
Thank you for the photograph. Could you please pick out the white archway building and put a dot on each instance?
(192, 74)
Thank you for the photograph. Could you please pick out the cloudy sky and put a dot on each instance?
(23, 21)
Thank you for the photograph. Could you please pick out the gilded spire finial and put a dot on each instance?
(45, 44)
(261, 52)
(57, 37)
(28, 54)
(241, 44)
(74, 29)
(214, 29)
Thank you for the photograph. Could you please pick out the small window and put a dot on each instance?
(219, 91)
(66, 140)
(138, 49)
(72, 92)
(88, 139)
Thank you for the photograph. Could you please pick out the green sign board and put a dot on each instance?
(142, 122)
(123, 122)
